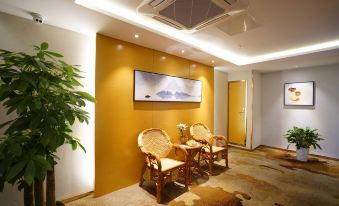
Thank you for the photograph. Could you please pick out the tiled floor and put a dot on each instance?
(265, 177)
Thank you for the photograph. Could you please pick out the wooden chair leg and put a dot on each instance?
(199, 158)
(210, 164)
(159, 187)
(143, 169)
(187, 168)
(226, 158)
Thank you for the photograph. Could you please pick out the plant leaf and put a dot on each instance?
(16, 169)
(70, 118)
(82, 147)
(74, 145)
(29, 172)
(54, 54)
(86, 96)
(44, 46)
(42, 162)
(15, 149)
(35, 122)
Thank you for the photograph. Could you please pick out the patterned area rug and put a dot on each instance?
(265, 177)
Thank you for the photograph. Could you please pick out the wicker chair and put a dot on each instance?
(156, 145)
(202, 134)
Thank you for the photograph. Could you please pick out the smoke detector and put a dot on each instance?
(191, 15)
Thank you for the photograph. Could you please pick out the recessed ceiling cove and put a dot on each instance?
(238, 31)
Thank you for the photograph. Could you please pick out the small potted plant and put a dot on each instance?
(182, 127)
(303, 140)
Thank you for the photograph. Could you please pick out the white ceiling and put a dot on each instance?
(303, 61)
(284, 25)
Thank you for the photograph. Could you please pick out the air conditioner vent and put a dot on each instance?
(230, 2)
(156, 3)
(191, 13)
(167, 22)
(212, 21)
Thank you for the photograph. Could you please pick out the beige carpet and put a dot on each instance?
(265, 177)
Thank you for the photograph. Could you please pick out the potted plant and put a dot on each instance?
(42, 90)
(182, 127)
(303, 140)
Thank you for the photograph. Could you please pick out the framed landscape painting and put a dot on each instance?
(299, 94)
(164, 88)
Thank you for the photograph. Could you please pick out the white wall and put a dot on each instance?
(277, 118)
(256, 110)
(220, 102)
(246, 75)
(75, 170)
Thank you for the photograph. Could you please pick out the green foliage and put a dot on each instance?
(303, 138)
(42, 90)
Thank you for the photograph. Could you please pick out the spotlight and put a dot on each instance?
(120, 47)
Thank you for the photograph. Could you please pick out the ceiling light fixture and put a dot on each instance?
(136, 36)
(212, 61)
(117, 10)
(182, 51)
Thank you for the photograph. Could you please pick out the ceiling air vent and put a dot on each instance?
(191, 15)
(211, 22)
(156, 3)
(163, 20)
(230, 2)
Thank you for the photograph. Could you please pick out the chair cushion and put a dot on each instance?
(215, 149)
(168, 164)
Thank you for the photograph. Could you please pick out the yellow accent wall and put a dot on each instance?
(119, 119)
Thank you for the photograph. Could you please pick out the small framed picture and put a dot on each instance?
(299, 94)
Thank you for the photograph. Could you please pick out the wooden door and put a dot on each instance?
(237, 112)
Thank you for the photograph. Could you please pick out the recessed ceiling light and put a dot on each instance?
(212, 61)
(182, 51)
(136, 36)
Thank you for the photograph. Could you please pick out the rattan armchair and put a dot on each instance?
(156, 145)
(202, 134)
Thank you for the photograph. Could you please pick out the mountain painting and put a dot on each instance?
(163, 88)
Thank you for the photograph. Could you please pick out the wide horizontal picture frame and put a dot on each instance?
(155, 87)
(299, 93)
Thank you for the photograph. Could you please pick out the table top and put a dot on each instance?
(197, 146)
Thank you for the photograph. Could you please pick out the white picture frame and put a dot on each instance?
(299, 94)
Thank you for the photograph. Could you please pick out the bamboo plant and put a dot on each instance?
(42, 90)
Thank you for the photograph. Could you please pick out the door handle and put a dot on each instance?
(241, 112)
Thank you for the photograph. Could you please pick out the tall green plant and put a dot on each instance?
(42, 90)
(303, 138)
